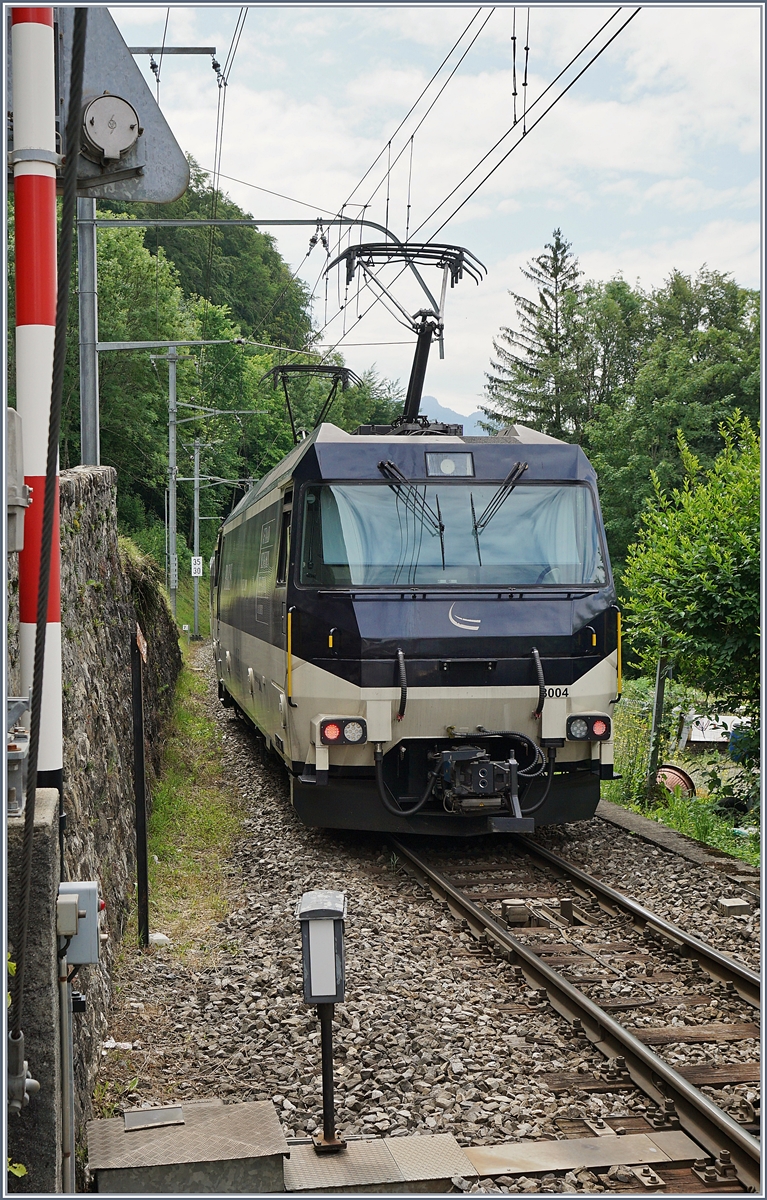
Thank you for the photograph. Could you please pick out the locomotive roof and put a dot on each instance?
(341, 455)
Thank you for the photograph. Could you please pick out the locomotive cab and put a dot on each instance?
(425, 629)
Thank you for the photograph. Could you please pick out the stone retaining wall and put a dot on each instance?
(105, 589)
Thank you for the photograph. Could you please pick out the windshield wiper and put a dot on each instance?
(415, 502)
(499, 498)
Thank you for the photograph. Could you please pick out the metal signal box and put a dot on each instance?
(85, 943)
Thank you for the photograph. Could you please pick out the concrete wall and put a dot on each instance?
(105, 590)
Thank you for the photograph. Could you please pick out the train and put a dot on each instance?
(423, 626)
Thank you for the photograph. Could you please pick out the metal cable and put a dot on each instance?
(64, 267)
(402, 673)
(413, 107)
(503, 137)
(524, 78)
(554, 102)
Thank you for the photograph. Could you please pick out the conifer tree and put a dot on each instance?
(535, 377)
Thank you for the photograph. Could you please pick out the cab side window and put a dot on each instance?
(284, 552)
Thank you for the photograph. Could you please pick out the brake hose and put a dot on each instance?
(539, 803)
(383, 789)
(538, 759)
(541, 683)
(402, 683)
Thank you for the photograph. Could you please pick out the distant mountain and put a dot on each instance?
(431, 407)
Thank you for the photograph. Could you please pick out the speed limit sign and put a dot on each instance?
(196, 567)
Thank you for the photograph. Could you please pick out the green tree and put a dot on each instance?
(692, 577)
(236, 267)
(698, 361)
(533, 378)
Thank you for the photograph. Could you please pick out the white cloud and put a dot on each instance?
(649, 163)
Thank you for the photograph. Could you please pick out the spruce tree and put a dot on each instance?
(534, 378)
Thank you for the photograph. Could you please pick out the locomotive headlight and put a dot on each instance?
(589, 728)
(578, 729)
(353, 732)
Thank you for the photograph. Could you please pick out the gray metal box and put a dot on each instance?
(84, 946)
(234, 1148)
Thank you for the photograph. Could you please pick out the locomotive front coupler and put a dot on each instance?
(469, 779)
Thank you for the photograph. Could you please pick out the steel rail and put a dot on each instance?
(719, 965)
(699, 1116)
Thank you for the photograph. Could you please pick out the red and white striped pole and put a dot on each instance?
(34, 195)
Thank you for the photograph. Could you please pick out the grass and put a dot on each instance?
(185, 604)
(193, 821)
(699, 816)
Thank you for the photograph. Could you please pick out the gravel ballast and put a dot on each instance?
(422, 1043)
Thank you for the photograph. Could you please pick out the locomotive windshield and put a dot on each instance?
(390, 534)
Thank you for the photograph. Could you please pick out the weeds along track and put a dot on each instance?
(671, 1014)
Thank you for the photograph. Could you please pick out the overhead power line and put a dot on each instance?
(428, 110)
(502, 160)
(554, 102)
(515, 122)
(412, 108)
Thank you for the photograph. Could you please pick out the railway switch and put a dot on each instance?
(322, 915)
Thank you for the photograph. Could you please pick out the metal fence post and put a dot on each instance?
(138, 658)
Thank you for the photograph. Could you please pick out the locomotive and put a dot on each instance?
(423, 627)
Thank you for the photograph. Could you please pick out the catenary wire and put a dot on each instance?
(514, 65)
(538, 120)
(223, 81)
(511, 128)
(281, 195)
(412, 107)
(162, 51)
(431, 106)
(489, 152)
(524, 78)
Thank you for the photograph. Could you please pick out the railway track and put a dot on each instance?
(599, 958)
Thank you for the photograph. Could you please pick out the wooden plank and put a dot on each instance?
(715, 1032)
(660, 1002)
(717, 1077)
(563, 1081)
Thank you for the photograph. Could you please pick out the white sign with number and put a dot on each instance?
(196, 567)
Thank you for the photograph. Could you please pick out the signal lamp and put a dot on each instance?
(589, 728)
(343, 731)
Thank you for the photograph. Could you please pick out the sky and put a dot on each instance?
(650, 162)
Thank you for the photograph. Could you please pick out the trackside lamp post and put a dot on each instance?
(322, 914)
